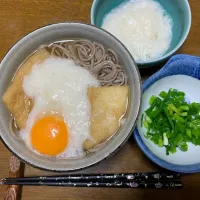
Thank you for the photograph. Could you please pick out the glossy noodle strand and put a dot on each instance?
(102, 63)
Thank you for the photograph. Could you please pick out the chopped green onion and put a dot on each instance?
(178, 139)
(178, 118)
(163, 94)
(152, 99)
(196, 141)
(173, 108)
(142, 120)
(196, 132)
(148, 119)
(146, 125)
(183, 146)
(183, 108)
(160, 143)
(165, 139)
(173, 150)
(189, 133)
(169, 118)
(183, 114)
(172, 122)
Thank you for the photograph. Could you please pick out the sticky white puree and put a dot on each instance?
(143, 26)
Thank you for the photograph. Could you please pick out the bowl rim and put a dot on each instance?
(108, 155)
(164, 57)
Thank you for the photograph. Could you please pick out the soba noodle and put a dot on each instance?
(102, 63)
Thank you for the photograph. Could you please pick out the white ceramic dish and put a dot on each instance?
(190, 86)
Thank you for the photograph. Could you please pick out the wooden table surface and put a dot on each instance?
(19, 17)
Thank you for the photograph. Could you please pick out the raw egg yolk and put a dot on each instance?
(49, 135)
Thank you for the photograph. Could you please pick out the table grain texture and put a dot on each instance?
(18, 18)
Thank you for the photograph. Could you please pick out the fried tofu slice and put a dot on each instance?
(108, 105)
(14, 98)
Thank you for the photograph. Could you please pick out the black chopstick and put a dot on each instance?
(153, 176)
(115, 184)
(127, 180)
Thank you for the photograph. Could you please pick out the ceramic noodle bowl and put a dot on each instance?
(59, 32)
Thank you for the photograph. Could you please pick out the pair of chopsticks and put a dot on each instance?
(131, 180)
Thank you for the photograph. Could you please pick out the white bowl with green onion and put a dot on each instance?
(168, 127)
